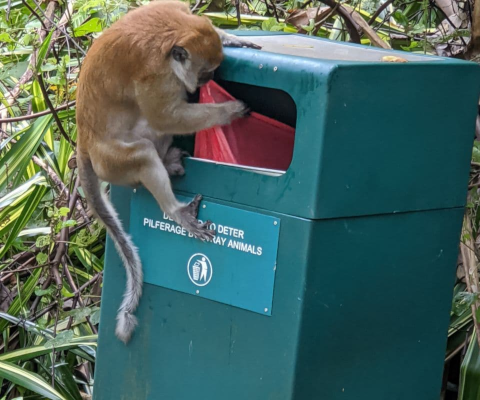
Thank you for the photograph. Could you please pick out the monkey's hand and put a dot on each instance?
(229, 40)
(235, 41)
(234, 110)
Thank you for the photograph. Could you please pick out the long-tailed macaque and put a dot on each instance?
(131, 99)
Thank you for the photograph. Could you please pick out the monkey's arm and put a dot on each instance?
(229, 40)
(180, 117)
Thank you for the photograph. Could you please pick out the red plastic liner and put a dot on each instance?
(255, 140)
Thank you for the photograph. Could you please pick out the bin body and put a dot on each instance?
(350, 293)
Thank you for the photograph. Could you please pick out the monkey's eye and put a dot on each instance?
(179, 54)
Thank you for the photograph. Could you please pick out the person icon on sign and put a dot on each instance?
(203, 274)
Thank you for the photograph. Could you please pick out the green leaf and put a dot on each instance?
(42, 51)
(41, 258)
(400, 18)
(93, 25)
(61, 339)
(43, 241)
(22, 297)
(28, 380)
(28, 353)
(43, 292)
(27, 211)
(88, 259)
(95, 317)
(63, 211)
(16, 160)
(470, 372)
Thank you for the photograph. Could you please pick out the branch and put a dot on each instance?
(36, 115)
(371, 34)
(379, 11)
(54, 112)
(352, 26)
(28, 74)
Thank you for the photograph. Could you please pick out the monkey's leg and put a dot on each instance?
(154, 177)
(172, 157)
(173, 161)
(137, 162)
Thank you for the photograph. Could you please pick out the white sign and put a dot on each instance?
(226, 236)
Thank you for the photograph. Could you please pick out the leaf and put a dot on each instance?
(80, 313)
(61, 339)
(42, 51)
(23, 296)
(27, 211)
(469, 389)
(41, 258)
(43, 241)
(68, 223)
(28, 380)
(400, 18)
(95, 317)
(16, 160)
(43, 292)
(66, 383)
(28, 353)
(88, 259)
(63, 211)
(93, 25)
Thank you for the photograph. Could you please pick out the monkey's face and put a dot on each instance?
(191, 69)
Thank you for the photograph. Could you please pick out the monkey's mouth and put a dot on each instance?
(204, 78)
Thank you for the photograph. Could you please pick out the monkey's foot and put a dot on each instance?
(173, 161)
(187, 218)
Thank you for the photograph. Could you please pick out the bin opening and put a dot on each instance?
(254, 141)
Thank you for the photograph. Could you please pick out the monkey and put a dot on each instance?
(131, 100)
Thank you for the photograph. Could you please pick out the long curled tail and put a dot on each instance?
(100, 205)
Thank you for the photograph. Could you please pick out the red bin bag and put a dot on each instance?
(254, 141)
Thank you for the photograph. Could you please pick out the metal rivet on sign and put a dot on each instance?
(260, 66)
(275, 222)
(266, 310)
(197, 292)
(134, 190)
(204, 206)
(275, 69)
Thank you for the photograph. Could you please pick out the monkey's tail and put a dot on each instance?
(104, 210)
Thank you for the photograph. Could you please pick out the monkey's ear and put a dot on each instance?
(179, 54)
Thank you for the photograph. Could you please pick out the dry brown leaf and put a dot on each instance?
(393, 59)
(299, 18)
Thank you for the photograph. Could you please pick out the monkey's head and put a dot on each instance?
(195, 57)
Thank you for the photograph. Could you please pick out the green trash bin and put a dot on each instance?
(331, 280)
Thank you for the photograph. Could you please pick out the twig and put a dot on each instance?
(28, 74)
(274, 10)
(352, 27)
(239, 17)
(372, 35)
(36, 15)
(379, 11)
(60, 187)
(78, 298)
(54, 112)
(36, 115)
